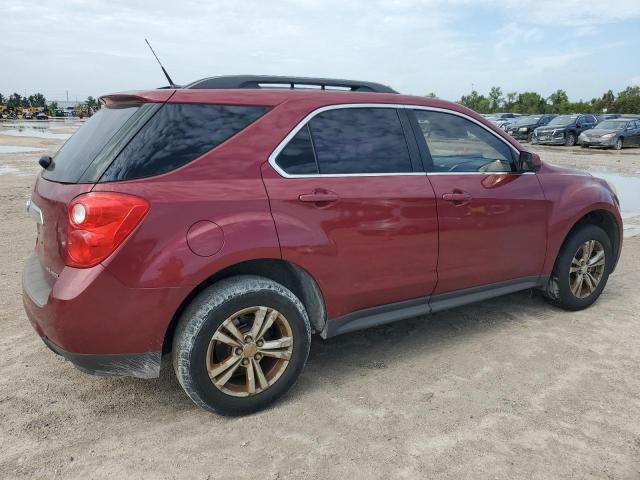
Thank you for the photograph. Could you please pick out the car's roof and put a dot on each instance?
(275, 96)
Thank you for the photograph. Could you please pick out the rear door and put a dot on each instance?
(353, 207)
(492, 219)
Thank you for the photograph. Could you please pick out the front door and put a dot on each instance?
(351, 208)
(492, 220)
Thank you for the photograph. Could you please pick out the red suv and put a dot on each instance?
(226, 221)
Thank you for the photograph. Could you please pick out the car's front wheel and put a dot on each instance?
(570, 141)
(241, 344)
(582, 269)
(619, 144)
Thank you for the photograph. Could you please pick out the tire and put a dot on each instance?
(559, 290)
(571, 139)
(584, 146)
(195, 351)
(619, 145)
(530, 137)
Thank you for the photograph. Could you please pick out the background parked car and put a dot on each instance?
(564, 129)
(522, 127)
(616, 133)
(502, 120)
(607, 116)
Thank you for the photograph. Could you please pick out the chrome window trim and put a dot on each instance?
(308, 117)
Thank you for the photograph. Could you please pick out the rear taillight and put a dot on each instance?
(98, 222)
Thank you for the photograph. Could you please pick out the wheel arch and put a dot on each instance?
(603, 219)
(288, 274)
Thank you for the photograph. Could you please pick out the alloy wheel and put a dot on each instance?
(587, 268)
(249, 351)
(618, 145)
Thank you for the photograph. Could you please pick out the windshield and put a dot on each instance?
(612, 124)
(563, 120)
(529, 120)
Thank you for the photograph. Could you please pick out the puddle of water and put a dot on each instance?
(5, 169)
(16, 149)
(38, 132)
(629, 193)
(628, 190)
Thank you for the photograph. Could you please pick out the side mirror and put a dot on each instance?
(529, 162)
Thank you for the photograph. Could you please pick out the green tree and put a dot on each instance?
(37, 100)
(628, 100)
(15, 101)
(530, 102)
(510, 100)
(476, 102)
(495, 99)
(52, 108)
(559, 101)
(3, 99)
(91, 105)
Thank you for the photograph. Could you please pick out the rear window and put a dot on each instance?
(145, 140)
(77, 154)
(177, 134)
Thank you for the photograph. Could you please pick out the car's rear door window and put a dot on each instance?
(298, 157)
(177, 134)
(457, 144)
(360, 141)
(348, 141)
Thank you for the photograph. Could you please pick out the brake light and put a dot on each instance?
(98, 222)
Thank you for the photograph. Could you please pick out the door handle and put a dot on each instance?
(319, 197)
(458, 198)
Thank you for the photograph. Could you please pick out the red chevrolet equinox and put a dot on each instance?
(226, 221)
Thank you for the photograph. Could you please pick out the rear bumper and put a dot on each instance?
(92, 319)
(140, 365)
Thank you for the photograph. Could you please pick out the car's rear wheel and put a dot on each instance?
(570, 141)
(582, 269)
(241, 344)
(619, 144)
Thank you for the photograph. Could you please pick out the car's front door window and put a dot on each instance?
(460, 145)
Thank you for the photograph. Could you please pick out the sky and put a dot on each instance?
(416, 46)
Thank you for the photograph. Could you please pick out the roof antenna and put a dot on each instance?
(171, 84)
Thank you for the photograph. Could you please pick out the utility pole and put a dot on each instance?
(67, 95)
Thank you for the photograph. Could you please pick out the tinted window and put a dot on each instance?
(459, 145)
(297, 157)
(78, 152)
(177, 134)
(360, 140)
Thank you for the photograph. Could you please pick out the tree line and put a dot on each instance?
(15, 101)
(626, 101)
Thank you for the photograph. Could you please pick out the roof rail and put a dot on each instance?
(268, 81)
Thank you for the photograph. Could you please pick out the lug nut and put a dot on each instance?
(245, 361)
(260, 343)
(258, 357)
(247, 338)
(238, 351)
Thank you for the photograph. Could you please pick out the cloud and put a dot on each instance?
(569, 12)
(417, 46)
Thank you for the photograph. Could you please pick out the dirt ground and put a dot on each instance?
(508, 388)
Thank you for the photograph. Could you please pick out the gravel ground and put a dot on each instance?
(508, 388)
